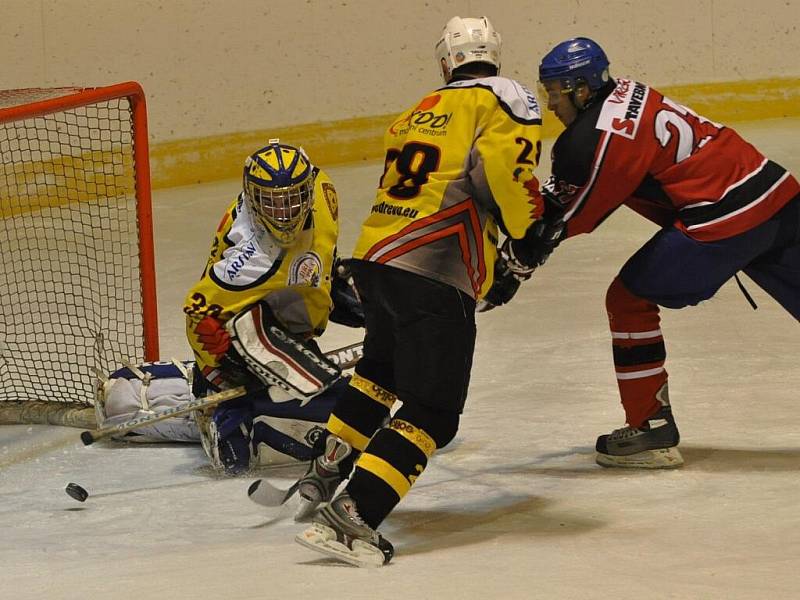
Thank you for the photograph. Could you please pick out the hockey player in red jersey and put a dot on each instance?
(722, 205)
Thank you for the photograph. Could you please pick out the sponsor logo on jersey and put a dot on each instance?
(306, 269)
(622, 110)
(384, 208)
(332, 199)
(236, 264)
(423, 119)
(530, 98)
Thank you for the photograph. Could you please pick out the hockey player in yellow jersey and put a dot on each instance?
(274, 249)
(459, 169)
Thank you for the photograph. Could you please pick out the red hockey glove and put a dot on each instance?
(213, 336)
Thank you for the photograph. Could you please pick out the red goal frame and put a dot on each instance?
(144, 209)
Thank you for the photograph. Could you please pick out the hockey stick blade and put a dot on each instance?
(263, 493)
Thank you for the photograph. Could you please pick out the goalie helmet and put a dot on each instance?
(574, 61)
(279, 189)
(465, 41)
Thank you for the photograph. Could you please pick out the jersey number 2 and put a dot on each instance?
(688, 125)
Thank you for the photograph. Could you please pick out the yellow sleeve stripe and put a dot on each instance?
(338, 427)
(373, 390)
(415, 435)
(382, 469)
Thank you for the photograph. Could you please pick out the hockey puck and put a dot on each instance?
(77, 492)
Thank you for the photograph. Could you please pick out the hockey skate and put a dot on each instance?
(339, 531)
(322, 478)
(653, 445)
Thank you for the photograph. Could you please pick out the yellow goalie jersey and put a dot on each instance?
(458, 164)
(246, 265)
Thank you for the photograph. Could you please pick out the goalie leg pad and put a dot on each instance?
(279, 358)
(141, 390)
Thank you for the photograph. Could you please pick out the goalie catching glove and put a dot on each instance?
(276, 357)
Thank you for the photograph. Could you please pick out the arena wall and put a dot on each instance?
(221, 77)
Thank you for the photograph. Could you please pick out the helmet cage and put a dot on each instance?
(282, 211)
(275, 195)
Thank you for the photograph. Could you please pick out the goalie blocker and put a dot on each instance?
(278, 358)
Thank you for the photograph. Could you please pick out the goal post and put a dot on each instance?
(77, 268)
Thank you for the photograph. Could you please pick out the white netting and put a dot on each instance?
(70, 293)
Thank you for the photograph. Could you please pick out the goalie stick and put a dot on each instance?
(344, 358)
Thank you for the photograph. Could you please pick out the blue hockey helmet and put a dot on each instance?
(574, 61)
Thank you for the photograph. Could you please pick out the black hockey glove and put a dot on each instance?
(347, 309)
(526, 255)
(504, 286)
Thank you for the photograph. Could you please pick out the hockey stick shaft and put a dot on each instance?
(89, 437)
(345, 358)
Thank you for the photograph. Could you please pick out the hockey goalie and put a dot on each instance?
(269, 288)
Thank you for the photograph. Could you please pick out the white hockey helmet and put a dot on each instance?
(467, 40)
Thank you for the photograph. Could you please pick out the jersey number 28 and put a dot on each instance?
(414, 163)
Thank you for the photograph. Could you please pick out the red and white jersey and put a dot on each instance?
(638, 148)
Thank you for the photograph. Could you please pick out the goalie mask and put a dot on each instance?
(465, 41)
(279, 189)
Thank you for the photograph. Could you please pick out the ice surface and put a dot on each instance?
(514, 508)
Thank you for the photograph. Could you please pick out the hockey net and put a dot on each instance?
(77, 279)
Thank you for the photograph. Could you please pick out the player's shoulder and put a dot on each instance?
(321, 176)
(325, 197)
(513, 97)
(232, 213)
(625, 108)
